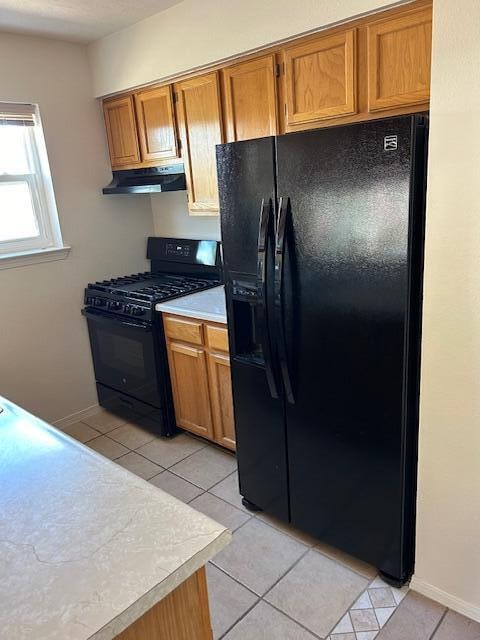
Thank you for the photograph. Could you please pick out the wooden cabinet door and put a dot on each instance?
(222, 400)
(200, 124)
(250, 99)
(399, 53)
(320, 79)
(189, 377)
(121, 132)
(156, 125)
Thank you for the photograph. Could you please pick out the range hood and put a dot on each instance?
(148, 180)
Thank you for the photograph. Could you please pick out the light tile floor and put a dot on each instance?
(272, 582)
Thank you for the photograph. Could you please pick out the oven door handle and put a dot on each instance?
(100, 317)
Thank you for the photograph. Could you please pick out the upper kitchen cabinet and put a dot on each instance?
(399, 52)
(320, 79)
(156, 124)
(200, 125)
(250, 99)
(121, 132)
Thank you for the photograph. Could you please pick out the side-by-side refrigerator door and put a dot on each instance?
(246, 177)
(343, 284)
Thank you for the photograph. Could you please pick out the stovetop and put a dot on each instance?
(137, 294)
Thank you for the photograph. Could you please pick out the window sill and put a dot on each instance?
(24, 258)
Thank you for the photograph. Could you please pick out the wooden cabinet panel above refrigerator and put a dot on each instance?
(321, 78)
(399, 52)
(250, 99)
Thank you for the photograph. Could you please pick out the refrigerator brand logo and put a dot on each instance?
(390, 143)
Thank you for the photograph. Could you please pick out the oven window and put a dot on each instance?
(121, 353)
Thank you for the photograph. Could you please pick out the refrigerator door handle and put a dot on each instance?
(283, 212)
(261, 308)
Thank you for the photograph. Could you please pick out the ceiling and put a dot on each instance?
(76, 20)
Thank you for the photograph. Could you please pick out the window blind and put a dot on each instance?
(17, 114)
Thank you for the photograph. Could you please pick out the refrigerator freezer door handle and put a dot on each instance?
(283, 211)
(261, 309)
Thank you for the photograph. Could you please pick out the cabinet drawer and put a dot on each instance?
(184, 330)
(217, 338)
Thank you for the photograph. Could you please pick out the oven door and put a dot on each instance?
(124, 355)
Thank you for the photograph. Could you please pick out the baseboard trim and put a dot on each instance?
(76, 417)
(447, 599)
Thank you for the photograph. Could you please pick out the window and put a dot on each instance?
(28, 214)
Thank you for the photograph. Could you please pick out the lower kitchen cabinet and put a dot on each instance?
(188, 372)
(221, 399)
(200, 374)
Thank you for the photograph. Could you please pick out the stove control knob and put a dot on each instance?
(138, 311)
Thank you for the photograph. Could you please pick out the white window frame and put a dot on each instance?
(48, 245)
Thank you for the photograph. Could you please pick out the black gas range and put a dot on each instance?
(126, 333)
(136, 295)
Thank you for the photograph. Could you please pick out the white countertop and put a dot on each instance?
(205, 305)
(86, 547)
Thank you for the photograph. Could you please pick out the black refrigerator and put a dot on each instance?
(322, 237)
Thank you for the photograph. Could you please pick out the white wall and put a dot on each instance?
(195, 33)
(448, 526)
(45, 362)
(171, 219)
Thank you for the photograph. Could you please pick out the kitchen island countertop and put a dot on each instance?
(205, 305)
(86, 547)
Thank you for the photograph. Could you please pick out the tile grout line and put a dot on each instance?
(347, 612)
(116, 427)
(230, 474)
(199, 496)
(205, 446)
(312, 633)
(276, 581)
(235, 580)
(244, 614)
(172, 465)
(275, 584)
(229, 504)
(261, 598)
(195, 485)
(314, 548)
(111, 440)
(362, 575)
(432, 637)
(169, 468)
